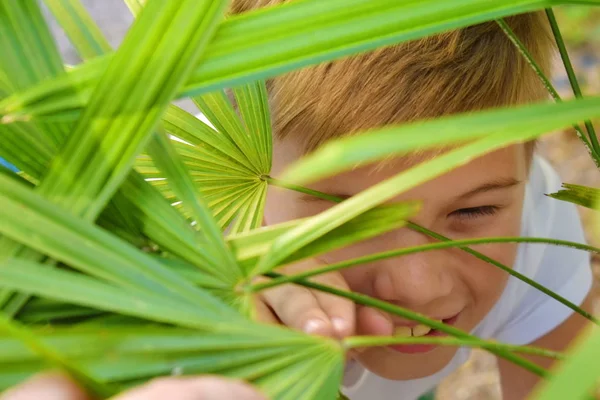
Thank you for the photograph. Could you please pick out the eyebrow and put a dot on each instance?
(498, 184)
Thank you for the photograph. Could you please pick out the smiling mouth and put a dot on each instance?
(419, 331)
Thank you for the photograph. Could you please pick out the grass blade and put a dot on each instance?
(443, 245)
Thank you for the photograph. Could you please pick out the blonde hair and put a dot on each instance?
(464, 70)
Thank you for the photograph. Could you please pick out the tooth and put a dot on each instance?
(402, 331)
(420, 330)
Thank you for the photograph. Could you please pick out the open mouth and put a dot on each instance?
(417, 331)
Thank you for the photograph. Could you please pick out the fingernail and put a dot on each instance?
(314, 326)
(340, 325)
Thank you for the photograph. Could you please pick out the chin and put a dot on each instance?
(390, 364)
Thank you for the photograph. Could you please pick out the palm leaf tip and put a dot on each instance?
(582, 195)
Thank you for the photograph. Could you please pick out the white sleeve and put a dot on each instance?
(524, 313)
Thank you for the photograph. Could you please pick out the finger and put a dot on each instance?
(264, 312)
(192, 388)
(298, 308)
(371, 321)
(49, 386)
(340, 311)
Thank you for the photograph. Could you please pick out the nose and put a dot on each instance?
(413, 280)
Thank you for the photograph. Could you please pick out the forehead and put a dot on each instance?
(498, 167)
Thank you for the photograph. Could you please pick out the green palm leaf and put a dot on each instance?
(52, 186)
(330, 219)
(220, 168)
(100, 151)
(89, 41)
(219, 111)
(24, 35)
(31, 340)
(251, 246)
(346, 153)
(274, 354)
(30, 57)
(85, 35)
(577, 377)
(84, 246)
(180, 181)
(243, 53)
(578, 194)
(161, 310)
(252, 101)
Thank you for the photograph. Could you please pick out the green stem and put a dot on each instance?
(276, 182)
(512, 36)
(512, 272)
(395, 253)
(420, 318)
(571, 74)
(446, 243)
(547, 84)
(375, 341)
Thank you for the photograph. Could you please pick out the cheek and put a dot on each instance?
(485, 281)
(281, 206)
(359, 277)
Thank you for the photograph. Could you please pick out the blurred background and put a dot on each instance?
(580, 25)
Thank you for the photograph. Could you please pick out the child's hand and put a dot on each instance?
(309, 310)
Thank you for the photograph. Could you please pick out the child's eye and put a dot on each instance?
(474, 212)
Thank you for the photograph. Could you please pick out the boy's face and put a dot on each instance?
(481, 199)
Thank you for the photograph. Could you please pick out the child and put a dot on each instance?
(499, 194)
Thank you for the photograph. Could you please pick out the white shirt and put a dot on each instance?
(522, 314)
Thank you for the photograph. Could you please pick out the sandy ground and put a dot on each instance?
(478, 379)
